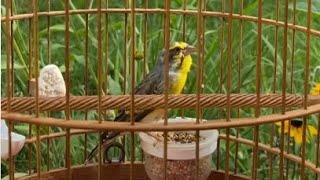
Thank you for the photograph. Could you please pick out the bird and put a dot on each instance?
(179, 61)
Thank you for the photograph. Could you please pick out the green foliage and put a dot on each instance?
(114, 61)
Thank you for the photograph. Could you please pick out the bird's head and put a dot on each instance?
(179, 51)
(179, 56)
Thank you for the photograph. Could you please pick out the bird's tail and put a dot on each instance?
(106, 138)
(92, 154)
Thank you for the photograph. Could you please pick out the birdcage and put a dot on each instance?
(255, 64)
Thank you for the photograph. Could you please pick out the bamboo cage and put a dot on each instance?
(285, 103)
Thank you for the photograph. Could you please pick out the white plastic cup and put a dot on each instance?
(179, 155)
(17, 142)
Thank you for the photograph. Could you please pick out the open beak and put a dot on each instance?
(189, 50)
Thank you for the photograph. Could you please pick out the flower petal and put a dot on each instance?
(315, 90)
(313, 131)
(298, 136)
(286, 126)
(293, 131)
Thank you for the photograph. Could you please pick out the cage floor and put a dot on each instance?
(113, 172)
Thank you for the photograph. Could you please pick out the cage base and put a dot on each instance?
(111, 171)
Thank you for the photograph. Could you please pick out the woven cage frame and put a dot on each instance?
(16, 109)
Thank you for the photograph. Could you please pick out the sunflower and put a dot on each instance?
(296, 130)
(315, 91)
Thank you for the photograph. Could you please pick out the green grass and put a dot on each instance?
(114, 59)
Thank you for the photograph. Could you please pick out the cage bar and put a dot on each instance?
(239, 61)
(274, 87)
(86, 73)
(166, 82)
(9, 81)
(200, 38)
(229, 86)
(255, 160)
(220, 74)
(68, 86)
(284, 88)
(105, 90)
(30, 50)
(291, 82)
(184, 21)
(48, 32)
(175, 11)
(36, 71)
(12, 54)
(124, 70)
(99, 90)
(49, 62)
(306, 89)
(145, 39)
(132, 70)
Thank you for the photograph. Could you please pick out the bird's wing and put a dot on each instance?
(151, 84)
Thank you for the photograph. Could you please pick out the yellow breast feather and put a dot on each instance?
(178, 84)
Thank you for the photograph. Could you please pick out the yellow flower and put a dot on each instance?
(296, 128)
(315, 91)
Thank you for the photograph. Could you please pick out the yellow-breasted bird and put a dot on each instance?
(180, 62)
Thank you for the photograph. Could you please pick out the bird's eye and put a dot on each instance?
(177, 50)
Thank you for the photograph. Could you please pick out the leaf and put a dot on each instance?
(16, 66)
(22, 129)
(55, 28)
(78, 58)
(57, 46)
(114, 86)
(303, 6)
(62, 68)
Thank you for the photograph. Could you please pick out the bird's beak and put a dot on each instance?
(189, 50)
